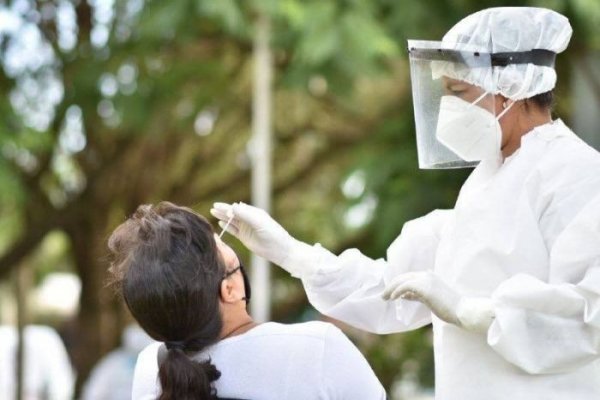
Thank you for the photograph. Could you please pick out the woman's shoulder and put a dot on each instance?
(312, 329)
(318, 330)
(148, 356)
(145, 384)
(276, 336)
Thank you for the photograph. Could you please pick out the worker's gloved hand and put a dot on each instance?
(471, 313)
(262, 235)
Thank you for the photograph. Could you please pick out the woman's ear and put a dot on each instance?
(227, 291)
(506, 106)
(501, 103)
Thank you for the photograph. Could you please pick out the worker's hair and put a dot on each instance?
(543, 101)
(168, 269)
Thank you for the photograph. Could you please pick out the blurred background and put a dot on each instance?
(108, 104)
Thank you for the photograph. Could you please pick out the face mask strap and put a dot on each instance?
(246, 279)
(504, 111)
(247, 287)
(477, 100)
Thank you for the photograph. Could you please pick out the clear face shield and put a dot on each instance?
(456, 123)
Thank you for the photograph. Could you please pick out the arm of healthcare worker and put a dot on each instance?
(347, 287)
(474, 314)
(554, 326)
(541, 327)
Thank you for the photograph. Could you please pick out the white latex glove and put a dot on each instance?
(262, 235)
(471, 313)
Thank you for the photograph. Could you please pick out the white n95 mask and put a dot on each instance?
(471, 132)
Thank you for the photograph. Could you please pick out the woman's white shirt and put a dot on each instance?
(312, 360)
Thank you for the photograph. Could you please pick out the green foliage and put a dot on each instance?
(391, 356)
(227, 13)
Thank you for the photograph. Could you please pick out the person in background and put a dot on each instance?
(112, 377)
(48, 374)
(188, 290)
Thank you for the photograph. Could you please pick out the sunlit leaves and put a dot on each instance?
(161, 19)
(226, 13)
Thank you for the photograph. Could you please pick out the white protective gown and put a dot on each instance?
(526, 235)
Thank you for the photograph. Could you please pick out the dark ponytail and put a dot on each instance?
(168, 268)
(182, 378)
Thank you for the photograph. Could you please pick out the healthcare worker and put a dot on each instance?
(510, 278)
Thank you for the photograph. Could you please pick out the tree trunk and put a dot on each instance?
(23, 279)
(99, 324)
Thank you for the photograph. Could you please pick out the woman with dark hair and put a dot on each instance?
(188, 290)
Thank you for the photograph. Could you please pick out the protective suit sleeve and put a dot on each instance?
(553, 327)
(349, 287)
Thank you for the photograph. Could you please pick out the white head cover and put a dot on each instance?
(508, 29)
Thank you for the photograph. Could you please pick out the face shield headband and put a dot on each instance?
(540, 57)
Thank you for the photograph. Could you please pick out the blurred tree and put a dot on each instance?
(113, 104)
(110, 104)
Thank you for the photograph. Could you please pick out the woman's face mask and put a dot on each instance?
(470, 131)
(232, 264)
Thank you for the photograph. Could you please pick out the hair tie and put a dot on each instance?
(175, 345)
